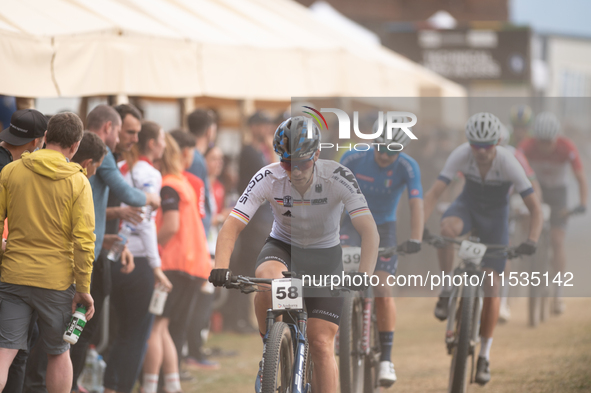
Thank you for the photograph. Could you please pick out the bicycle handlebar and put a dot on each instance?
(492, 250)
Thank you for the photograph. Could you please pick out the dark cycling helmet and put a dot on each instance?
(398, 134)
(521, 116)
(291, 138)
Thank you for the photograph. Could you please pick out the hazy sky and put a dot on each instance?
(555, 16)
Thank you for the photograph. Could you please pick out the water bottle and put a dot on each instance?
(117, 248)
(158, 300)
(77, 323)
(87, 377)
(147, 210)
(98, 375)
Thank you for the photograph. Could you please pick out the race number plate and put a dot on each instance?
(472, 251)
(287, 294)
(351, 258)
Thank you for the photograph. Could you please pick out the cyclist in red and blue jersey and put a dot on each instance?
(483, 206)
(382, 175)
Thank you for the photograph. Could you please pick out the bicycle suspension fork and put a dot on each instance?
(367, 309)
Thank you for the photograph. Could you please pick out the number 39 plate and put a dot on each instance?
(471, 251)
(287, 294)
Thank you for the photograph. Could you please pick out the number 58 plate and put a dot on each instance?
(287, 294)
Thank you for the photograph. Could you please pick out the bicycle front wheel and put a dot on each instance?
(459, 375)
(350, 338)
(278, 360)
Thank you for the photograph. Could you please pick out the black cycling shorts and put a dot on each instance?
(311, 261)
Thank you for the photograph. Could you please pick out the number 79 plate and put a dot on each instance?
(287, 294)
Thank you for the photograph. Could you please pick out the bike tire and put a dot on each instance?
(372, 362)
(278, 360)
(537, 302)
(350, 336)
(459, 374)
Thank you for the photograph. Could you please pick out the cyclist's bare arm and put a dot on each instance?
(537, 219)
(432, 196)
(580, 176)
(417, 219)
(370, 241)
(226, 241)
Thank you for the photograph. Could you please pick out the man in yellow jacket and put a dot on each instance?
(50, 247)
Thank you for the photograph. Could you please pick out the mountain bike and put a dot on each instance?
(465, 305)
(357, 341)
(286, 363)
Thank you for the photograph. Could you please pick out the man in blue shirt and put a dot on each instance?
(383, 173)
(106, 123)
(203, 126)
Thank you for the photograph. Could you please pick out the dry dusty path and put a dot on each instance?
(555, 357)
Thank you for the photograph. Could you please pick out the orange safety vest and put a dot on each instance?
(187, 250)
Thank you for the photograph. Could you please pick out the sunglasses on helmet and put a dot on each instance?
(300, 165)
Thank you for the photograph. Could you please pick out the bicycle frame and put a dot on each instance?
(456, 293)
(298, 332)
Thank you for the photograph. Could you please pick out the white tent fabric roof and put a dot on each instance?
(262, 49)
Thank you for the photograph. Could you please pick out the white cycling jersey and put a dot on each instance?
(505, 171)
(311, 220)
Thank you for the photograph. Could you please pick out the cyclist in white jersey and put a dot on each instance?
(490, 171)
(307, 197)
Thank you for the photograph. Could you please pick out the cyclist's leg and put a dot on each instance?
(322, 327)
(557, 199)
(274, 258)
(385, 305)
(493, 228)
(456, 221)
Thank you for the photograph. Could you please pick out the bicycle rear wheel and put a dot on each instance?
(278, 360)
(350, 338)
(459, 375)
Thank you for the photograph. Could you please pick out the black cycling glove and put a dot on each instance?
(579, 209)
(410, 247)
(528, 247)
(220, 277)
(358, 282)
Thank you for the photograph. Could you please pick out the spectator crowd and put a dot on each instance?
(115, 207)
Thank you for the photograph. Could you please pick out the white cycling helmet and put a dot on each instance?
(546, 126)
(483, 127)
(506, 132)
(398, 134)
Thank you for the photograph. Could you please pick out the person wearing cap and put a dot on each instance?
(26, 132)
(48, 250)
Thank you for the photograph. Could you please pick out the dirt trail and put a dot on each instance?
(555, 357)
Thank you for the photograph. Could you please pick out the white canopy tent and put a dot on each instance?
(259, 49)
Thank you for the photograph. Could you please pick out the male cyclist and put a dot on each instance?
(383, 174)
(504, 311)
(307, 196)
(490, 171)
(521, 120)
(550, 154)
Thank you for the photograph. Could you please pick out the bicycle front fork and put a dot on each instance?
(450, 333)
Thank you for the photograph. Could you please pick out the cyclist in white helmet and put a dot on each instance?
(307, 197)
(550, 154)
(490, 171)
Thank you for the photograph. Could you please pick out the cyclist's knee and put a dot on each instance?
(321, 346)
(451, 226)
(270, 269)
